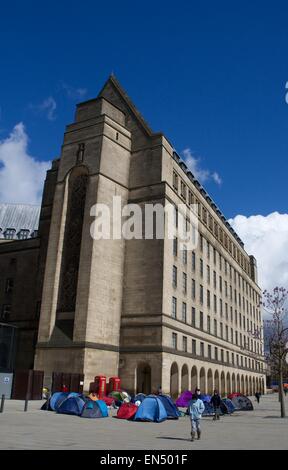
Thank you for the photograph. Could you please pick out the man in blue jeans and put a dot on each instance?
(216, 402)
(196, 408)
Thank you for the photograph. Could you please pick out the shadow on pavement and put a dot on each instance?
(174, 438)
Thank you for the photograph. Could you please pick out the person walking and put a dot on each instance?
(196, 409)
(285, 391)
(216, 402)
(257, 396)
(198, 392)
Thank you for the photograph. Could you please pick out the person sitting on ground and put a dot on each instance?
(196, 409)
(216, 402)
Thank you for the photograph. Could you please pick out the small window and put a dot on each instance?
(9, 233)
(23, 234)
(174, 340)
(174, 307)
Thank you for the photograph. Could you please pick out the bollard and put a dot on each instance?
(26, 404)
(2, 403)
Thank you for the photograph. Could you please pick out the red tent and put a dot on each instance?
(127, 411)
(232, 395)
(108, 400)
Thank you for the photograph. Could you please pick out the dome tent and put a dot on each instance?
(127, 411)
(94, 409)
(151, 409)
(56, 399)
(242, 403)
(229, 404)
(72, 405)
(170, 407)
(184, 399)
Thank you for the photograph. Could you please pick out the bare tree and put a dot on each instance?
(277, 336)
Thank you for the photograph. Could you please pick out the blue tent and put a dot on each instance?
(229, 404)
(72, 406)
(56, 399)
(205, 398)
(138, 397)
(151, 409)
(94, 409)
(170, 407)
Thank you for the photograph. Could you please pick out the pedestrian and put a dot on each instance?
(64, 388)
(257, 396)
(196, 408)
(216, 402)
(198, 392)
(285, 391)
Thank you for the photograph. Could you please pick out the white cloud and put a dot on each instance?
(21, 176)
(200, 174)
(267, 239)
(73, 93)
(47, 108)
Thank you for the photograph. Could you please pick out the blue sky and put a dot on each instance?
(210, 75)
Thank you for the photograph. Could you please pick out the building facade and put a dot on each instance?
(142, 308)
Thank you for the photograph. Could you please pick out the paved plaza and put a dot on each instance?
(36, 429)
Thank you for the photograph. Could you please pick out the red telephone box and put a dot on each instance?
(100, 385)
(114, 384)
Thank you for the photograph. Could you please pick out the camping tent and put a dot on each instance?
(72, 406)
(127, 411)
(229, 404)
(235, 394)
(242, 403)
(170, 407)
(138, 397)
(108, 400)
(56, 399)
(184, 399)
(151, 409)
(94, 409)
(205, 398)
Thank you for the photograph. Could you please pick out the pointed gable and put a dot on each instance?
(114, 93)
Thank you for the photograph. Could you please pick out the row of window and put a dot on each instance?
(214, 353)
(219, 329)
(210, 222)
(239, 301)
(224, 266)
(10, 234)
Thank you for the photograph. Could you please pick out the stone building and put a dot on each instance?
(141, 309)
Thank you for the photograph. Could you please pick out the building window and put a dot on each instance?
(221, 330)
(174, 277)
(6, 311)
(184, 254)
(183, 190)
(184, 312)
(184, 343)
(175, 181)
(193, 261)
(209, 352)
(216, 354)
(201, 268)
(222, 356)
(193, 317)
(184, 283)
(201, 295)
(208, 324)
(9, 233)
(201, 321)
(208, 299)
(175, 217)
(175, 246)
(215, 304)
(202, 349)
(194, 346)
(174, 340)
(208, 273)
(214, 280)
(23, 234)
(215, 328)
(193, 289)
(227, 357)
(174, 307)
(9, 286)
